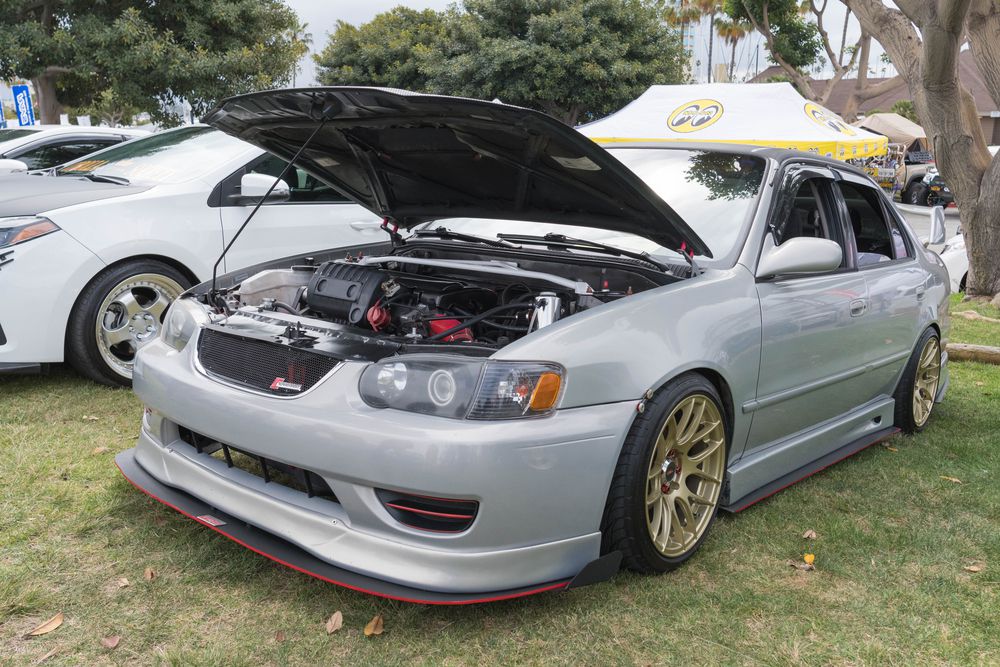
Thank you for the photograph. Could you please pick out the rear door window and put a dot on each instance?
(876, 233)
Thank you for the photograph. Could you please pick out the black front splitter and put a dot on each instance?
(290, 555)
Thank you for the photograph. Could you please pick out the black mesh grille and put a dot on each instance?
(272, 367)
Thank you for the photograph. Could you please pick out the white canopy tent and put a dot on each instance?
(760, 114)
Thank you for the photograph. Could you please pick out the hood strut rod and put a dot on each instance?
(213, 294)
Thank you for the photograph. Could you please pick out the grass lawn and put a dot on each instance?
(974, 331)
(891, 587)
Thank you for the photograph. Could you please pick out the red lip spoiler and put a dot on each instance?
(289, 555)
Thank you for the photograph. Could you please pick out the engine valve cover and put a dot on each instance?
(343, 291)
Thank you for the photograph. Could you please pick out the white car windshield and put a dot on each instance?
(714, 192)
(173, 156)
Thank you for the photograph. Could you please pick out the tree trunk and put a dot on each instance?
(732, 63)
(49, 107)
(984, 354)
(711, 42)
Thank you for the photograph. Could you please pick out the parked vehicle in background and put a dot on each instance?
(956, 260)
(91, 256)
(46, 146)
(931, 190)
(571, 358)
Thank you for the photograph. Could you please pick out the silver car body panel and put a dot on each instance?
(806, 365)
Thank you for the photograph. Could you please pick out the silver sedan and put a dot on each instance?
(565, 359)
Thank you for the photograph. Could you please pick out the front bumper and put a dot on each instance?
(289, 555)
(541, 484)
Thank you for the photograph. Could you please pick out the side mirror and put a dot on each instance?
(799, 255)
(255, 186)
(937, 234)
(9, 166)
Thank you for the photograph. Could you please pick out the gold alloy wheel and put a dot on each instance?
(685, 475)
(925, 383)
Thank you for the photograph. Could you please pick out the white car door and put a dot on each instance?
(315, 217)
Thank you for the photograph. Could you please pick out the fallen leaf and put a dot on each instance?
(279, 636)
(91, 418)
(954, 480)
(149, 574)
(375, 626)
(46, 657)
(799, 565)
(891, 449)
(334, 623)
(48, 626)
(809, 559)
(974, 568)
(809, 534)
(100, 450)
(980, 384)
(111, 643)
(121, 582)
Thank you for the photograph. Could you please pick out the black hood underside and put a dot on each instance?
(414, 158)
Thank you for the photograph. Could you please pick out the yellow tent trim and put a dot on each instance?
(844, 150)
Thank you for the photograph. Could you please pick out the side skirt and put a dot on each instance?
(810, 469)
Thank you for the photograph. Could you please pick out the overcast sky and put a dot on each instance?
(322, 16)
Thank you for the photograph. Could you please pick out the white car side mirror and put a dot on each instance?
(936, 236)
(9, 166)
(799, 255)
(255, 186)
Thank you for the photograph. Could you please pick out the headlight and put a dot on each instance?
(462, 388)
(959, 244)
(21, 229)
(184, 318)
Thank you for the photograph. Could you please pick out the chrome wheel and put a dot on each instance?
(925, 384)
(130, 316)
(684, 479)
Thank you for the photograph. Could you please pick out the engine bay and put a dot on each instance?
(438, 295)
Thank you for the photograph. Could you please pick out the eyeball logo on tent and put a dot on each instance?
(828, 119)
(694, 116)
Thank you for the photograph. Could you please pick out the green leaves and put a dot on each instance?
(149, 54)
(575, 59)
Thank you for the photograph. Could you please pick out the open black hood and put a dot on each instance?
(413, 158)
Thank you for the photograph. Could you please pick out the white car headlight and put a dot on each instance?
(463, 388)
(184, 318)
(21, 229)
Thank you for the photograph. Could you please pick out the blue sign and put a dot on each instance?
(22, 105)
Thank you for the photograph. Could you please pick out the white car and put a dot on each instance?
(91, 256)
(46, 146)
(957, 260)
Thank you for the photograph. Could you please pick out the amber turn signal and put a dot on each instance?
(546, 392)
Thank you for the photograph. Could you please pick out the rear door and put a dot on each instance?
(315, 217)
(896, 283)
(813, 346)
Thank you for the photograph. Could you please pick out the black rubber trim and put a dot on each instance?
(292, 556)
(809, 469)
(19, 368)
(598, 570)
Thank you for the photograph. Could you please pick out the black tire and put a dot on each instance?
(83, 342)
(624, 526)
(905, 415)
(917, 194)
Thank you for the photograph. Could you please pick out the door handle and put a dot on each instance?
(366, 224)
(858, 307)
(921, 291)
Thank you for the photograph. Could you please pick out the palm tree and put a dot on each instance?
(301, 41)
(686, 11)
(732, 32)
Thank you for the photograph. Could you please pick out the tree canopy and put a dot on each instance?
(575, 59)
(151, 54)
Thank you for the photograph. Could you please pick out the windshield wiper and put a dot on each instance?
(445, 233)
(103, 178)
(570, 243)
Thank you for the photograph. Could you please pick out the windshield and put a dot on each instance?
(173, 156)
(714, 192)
